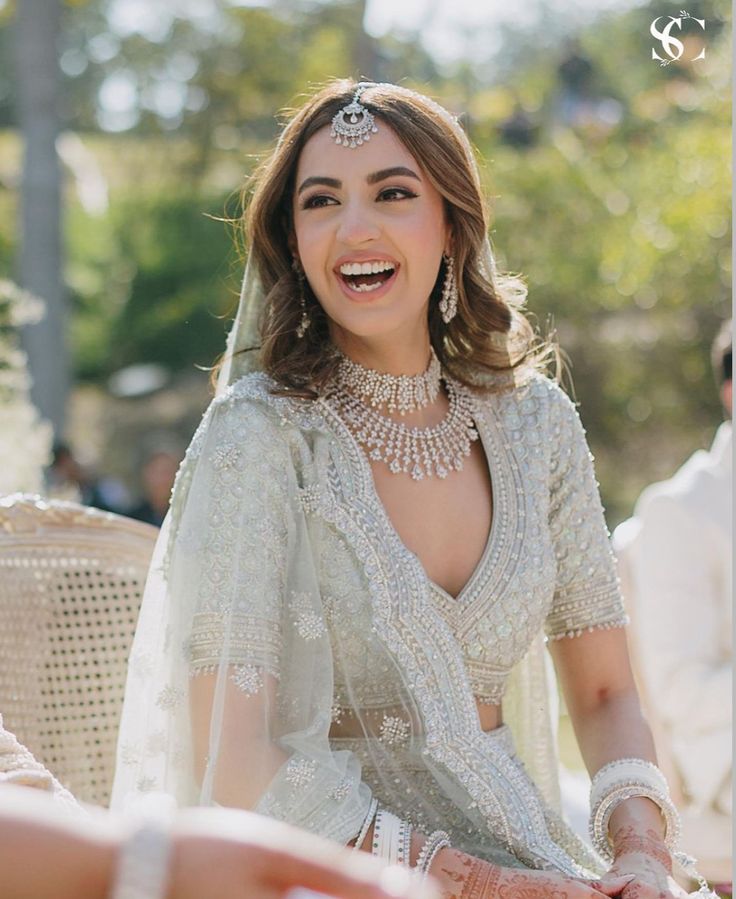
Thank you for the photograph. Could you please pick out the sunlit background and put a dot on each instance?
(609, 175)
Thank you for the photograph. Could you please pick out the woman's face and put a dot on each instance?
(372, 204)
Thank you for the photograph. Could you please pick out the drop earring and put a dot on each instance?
(448, 302)
(305, 321)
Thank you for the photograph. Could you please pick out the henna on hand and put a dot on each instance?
(628, 840)
(519, 885)
(482, 881)
(455, 866)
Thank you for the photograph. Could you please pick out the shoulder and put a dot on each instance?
(536, 401)
(278, 430)
(251, 399)
(239, 421)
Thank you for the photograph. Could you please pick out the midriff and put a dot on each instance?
(490, 716)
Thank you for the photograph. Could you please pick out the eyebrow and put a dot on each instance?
(373, 178)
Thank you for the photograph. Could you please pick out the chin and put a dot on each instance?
(372, 324)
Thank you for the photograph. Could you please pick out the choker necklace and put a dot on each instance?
(420, 452)
(398, 393)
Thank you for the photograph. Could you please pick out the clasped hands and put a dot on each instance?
(642, 870)
(645, 858)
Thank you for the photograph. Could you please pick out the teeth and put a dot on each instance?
(366, 268)
(364, 288)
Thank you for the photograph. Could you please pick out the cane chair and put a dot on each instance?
(71, 579)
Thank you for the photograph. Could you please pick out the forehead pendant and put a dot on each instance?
(353, 124)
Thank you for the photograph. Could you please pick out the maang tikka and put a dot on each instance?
(354, 124)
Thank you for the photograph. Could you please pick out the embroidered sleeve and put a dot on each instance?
(587, 593)
(236, 535)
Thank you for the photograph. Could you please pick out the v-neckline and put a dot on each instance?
(490, 539)
(495, 477)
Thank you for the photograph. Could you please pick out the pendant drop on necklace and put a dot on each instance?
(419, 452)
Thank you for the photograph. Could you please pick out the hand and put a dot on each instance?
(646, 857)
(462, 876)
(230, 854)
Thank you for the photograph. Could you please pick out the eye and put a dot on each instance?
(399, 193)
(316, 201)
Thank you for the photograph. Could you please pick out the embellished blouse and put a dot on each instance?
(547, 562)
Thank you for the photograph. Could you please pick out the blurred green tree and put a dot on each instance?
(618, 216)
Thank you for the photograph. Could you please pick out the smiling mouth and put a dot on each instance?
(365, 283)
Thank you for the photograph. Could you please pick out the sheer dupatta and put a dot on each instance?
(230, 683)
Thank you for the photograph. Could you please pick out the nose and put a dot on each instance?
(357, 225)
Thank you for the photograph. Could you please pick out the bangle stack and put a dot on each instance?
(624, 779)
(437, 840)
(366, 824)
(391, 838)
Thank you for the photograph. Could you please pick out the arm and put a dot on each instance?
(596, 679)
(588, 642)
(215, 853)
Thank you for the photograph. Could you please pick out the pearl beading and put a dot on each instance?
(437, 840)
(398, 393)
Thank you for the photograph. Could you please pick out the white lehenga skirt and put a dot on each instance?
(405, 796)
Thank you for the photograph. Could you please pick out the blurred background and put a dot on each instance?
(127, 128)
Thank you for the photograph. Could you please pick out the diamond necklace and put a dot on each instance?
(420, 452)
(398, 393)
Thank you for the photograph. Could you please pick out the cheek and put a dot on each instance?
(312, 247)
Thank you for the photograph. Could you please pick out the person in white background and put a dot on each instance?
(675, 557)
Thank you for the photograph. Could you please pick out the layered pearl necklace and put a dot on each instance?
(420, 452)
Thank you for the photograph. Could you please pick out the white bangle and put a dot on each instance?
(404, 851)
(387, 831)
(628, 770)
(625, 779)
(142, 870)
(366, 824)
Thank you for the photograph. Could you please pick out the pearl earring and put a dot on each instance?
(448, 302)
(305, 321)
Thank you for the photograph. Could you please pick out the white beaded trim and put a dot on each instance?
(437, 840)
(624, 621)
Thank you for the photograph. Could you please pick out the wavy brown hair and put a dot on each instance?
(489, 336)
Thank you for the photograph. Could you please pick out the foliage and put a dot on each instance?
(26, 440)
(619, 221)
(161, 265)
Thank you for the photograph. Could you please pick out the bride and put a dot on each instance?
(384, 514)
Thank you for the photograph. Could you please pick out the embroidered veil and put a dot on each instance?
(287, 657)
